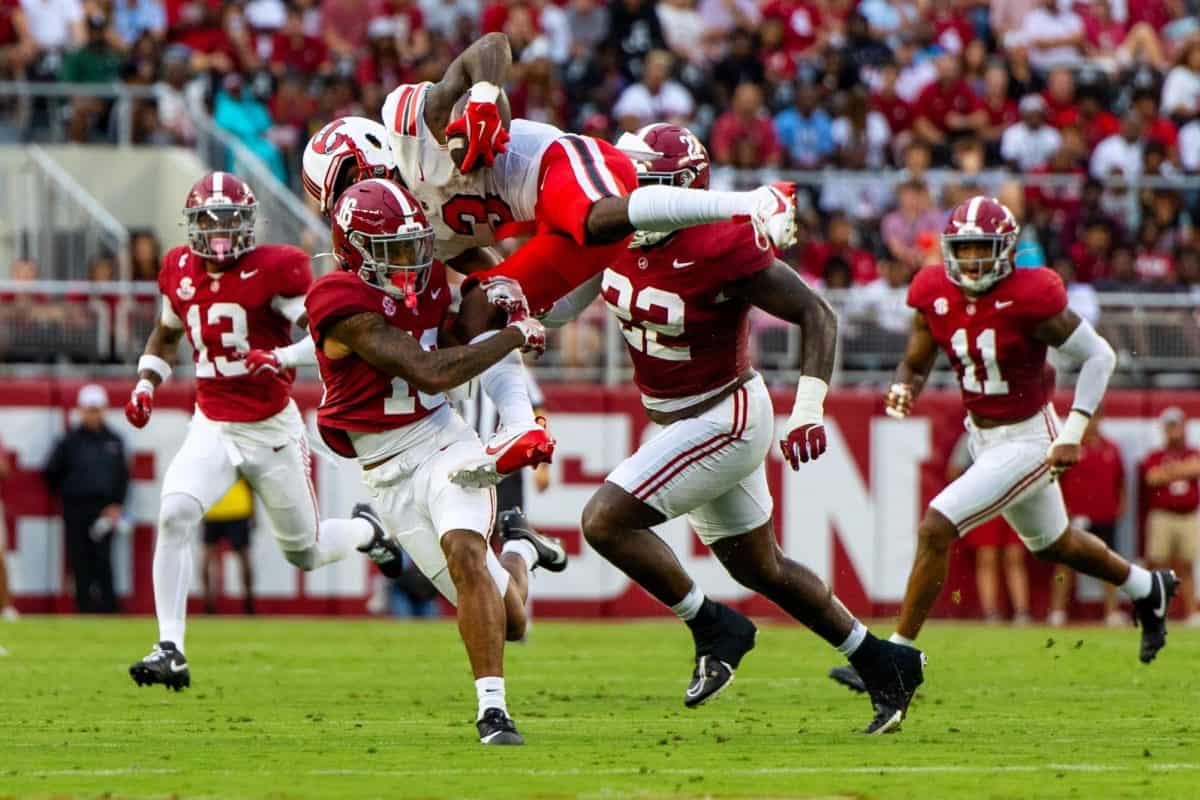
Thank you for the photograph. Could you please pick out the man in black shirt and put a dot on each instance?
(88, 471)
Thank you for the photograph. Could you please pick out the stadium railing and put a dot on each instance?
(38, 110)
(95, 328)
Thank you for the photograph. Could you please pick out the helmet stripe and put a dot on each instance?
(973, 208)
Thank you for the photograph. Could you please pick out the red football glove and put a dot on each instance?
(507, 295)
(141, 403)
(803, 444)
(534, 333)
(261, 362)
(483, 129)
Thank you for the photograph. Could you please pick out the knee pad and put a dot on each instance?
(179, 517)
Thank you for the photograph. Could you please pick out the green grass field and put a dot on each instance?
(332, 708)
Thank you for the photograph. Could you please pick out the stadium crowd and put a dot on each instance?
(1051, 105)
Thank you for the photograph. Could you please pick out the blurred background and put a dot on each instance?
(1083, 117)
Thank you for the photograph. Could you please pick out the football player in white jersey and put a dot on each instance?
(481, 179)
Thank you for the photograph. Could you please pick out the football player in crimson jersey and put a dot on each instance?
(683, 300)
(378, 325)
(229, 294)
(481, 179)
(995, 324)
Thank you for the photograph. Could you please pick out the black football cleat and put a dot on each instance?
(496, 727)
(386, 554)
(848, 676)
(551, 555)
(1151, 613)
(720, 647)
(165, 665)
(891, 681)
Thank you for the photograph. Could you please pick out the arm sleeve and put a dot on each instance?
(290, 307)
(574, 303)
(1097, 361)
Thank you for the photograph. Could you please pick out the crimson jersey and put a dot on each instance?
(235, 311)
(359, 397)
(685, 337)
(1001, 367)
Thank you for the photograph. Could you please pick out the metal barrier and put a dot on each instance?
(40, 110)
(85, 326)
(65, 229)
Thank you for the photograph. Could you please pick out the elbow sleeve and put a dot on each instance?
(1096, 361)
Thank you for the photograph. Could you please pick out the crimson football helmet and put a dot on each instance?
(980, 220)
(667, 154)
(345, 151)
(381, 233)
(220, 212)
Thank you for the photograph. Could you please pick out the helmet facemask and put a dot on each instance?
(221, 232)
(397, 263)
(977, 262)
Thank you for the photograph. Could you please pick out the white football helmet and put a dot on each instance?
(344, 152)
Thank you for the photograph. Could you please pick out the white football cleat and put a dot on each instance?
(509, 449)
(774, 216)
(10, 614)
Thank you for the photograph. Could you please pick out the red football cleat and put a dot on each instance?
(509, 449)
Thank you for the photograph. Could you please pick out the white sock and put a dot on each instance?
(507, 386)
(338, 538)
(896, 638)
(490, 692)
(669, 208)
(1138, 584)
(524, 549)
(687, 608)
(178, 522)
(855, 638)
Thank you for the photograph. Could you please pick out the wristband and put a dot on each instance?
(299, 354)
(1073, 428)
(143, 386)
(152, 363)
(484, 92)
(810, 399)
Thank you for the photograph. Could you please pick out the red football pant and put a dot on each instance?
(576, 172)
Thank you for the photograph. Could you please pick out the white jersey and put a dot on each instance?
(465, 210)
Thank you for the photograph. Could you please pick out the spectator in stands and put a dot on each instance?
(683, 28)
(741, 64)
(747, 119)
(1094, 491)
(242, 114)
(1120, 155)
(49, 28)
(635, 30)
(1189, 146)
(805, 130)
(8, 612)
(1108, 270)
(442, 16)
(656, 98)
(803, 24)
(344, 23)
(911, 231)
(1052, 34)
(292, 50)
(884, 301)
(97, 61)
(861, 135)
(1030, 143)
(1170, 479)
(88, 471)
(1095, 121)
(230, 520)
(134, 18)
(1002, 112)
(1154, 262)
(1181, 90)
(840, 243)
(947, 108)
(1159, 129)
(997, 547)
(145, 255)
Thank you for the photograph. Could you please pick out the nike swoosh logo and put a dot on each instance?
(277, 449)
(1161, 611)
(491, 451)
(178, 667)
(1004, 303)
(677, 264)
(434, 294)
(249, 274)
(482, 127)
